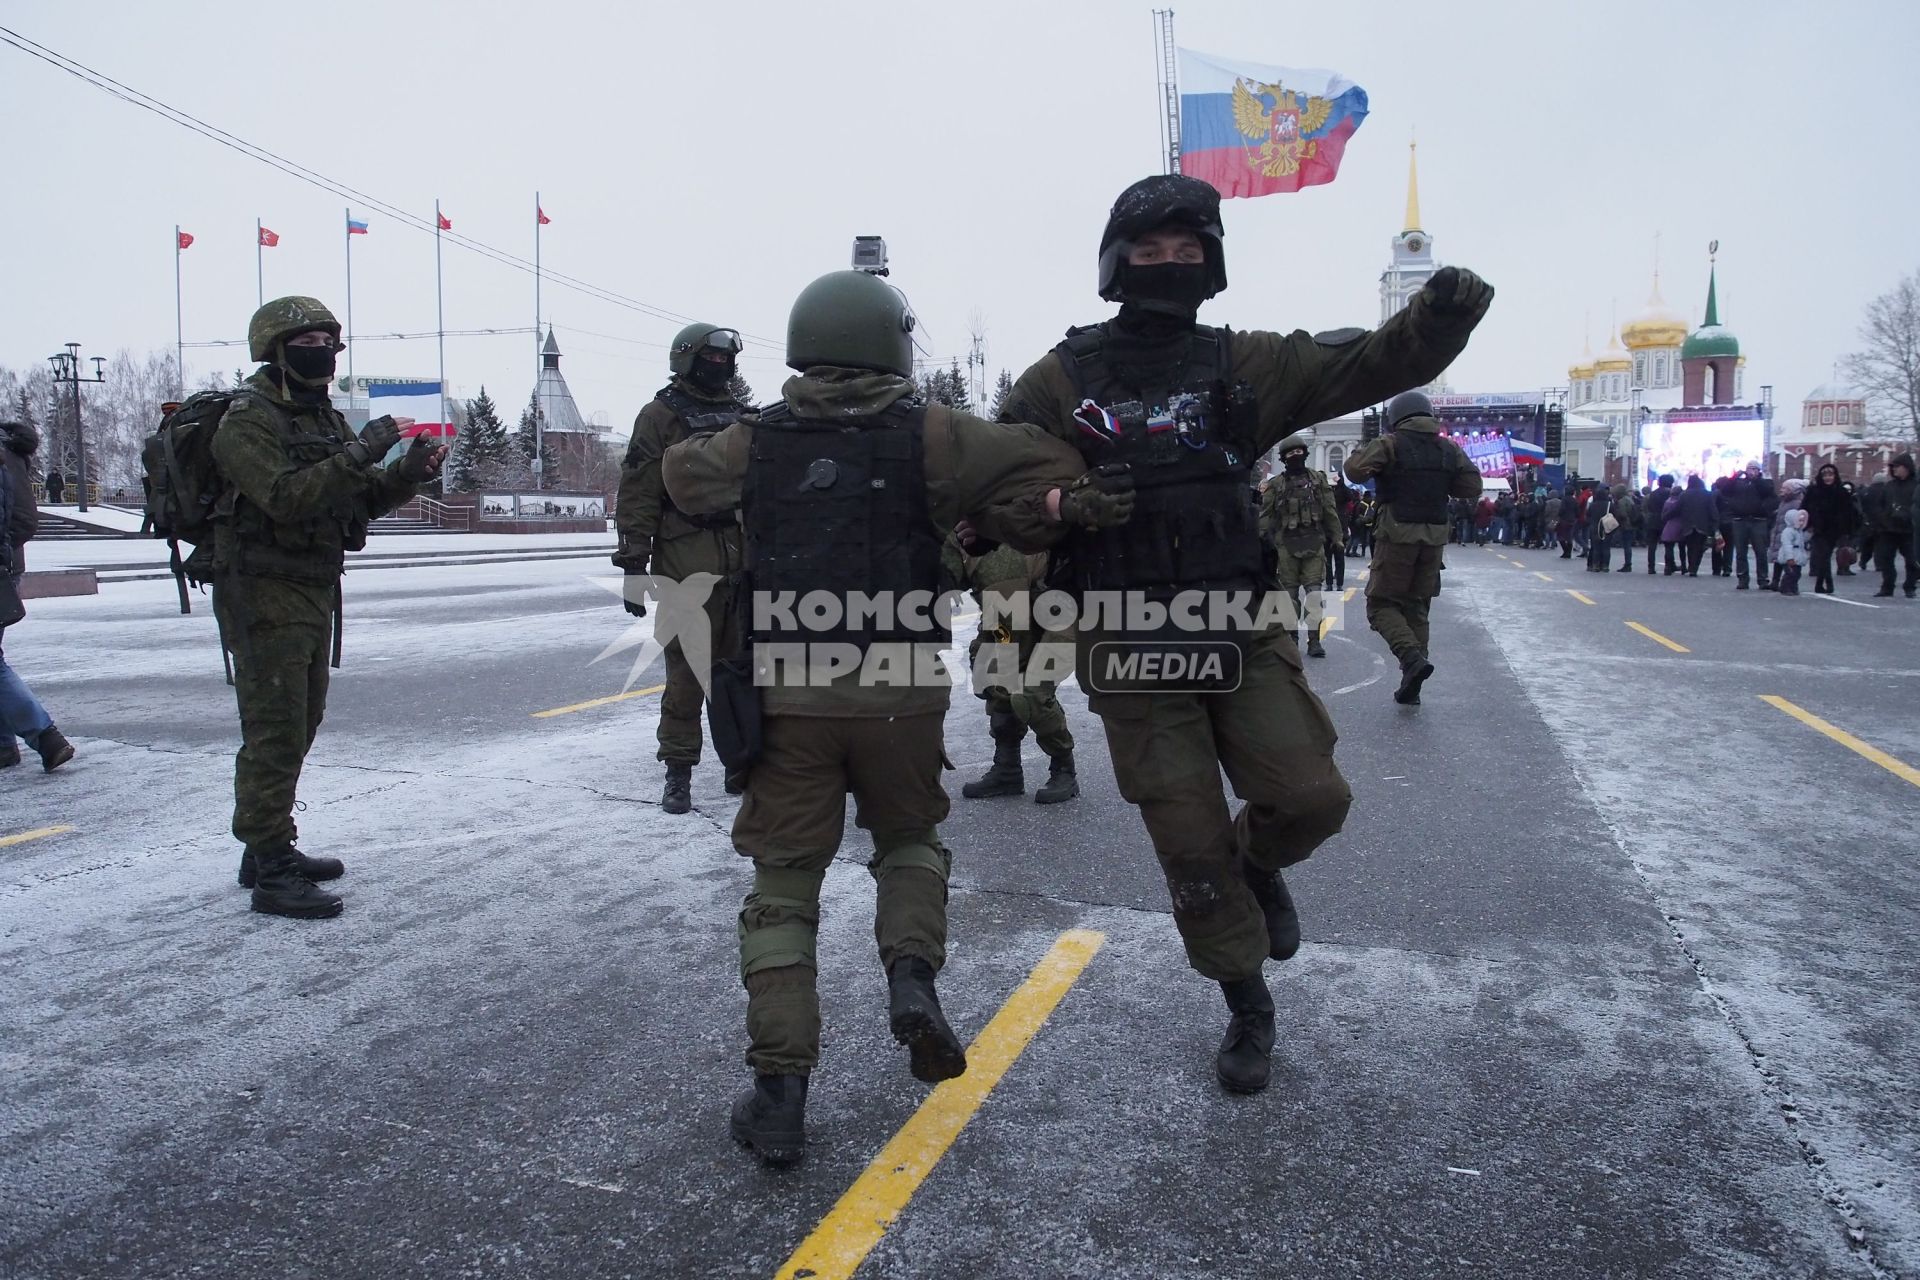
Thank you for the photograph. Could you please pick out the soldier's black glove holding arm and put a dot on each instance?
(1456, 291)
(421, 462)
(1099, 499)
(376, 439)
(632, 596)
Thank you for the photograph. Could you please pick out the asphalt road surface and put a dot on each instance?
(1611, 974)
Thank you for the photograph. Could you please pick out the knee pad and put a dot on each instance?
(780, 920)
(923, 851)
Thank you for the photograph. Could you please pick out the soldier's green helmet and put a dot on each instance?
(853, 320)
(698, 337)
(1408, 404)
(282, 319)
(1297, 442)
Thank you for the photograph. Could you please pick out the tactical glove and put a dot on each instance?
(635, 602)
(1100, 499)
(418, 464)
(1456, 291)
(377, 438)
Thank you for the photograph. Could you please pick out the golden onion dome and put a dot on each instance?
(1657, 325)
(1614, 359)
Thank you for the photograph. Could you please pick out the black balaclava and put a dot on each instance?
(306, 372)
(710, 375)
(1295, 461)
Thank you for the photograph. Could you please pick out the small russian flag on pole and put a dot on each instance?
(356, 227)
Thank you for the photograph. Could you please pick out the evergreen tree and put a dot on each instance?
(740, 389)
(524, 437)
(482, 451)
(1002, 391)
(957, 387)
(943, 386)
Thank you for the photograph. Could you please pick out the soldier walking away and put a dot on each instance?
(657, 537)
(1417, 470)
(298, 491)
(21, 714)
(848, 485)
(1185, 409)
(1299, 520)
(1016, 706)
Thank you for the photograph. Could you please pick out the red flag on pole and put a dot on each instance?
(446, 223)
(268, 239)
(185, 239)
(544, 219)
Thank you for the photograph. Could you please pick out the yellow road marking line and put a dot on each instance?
(1516, 564)
(38, 833)
(1542, 576)
(1656, 637)
(853, 1226)
(1326, 625)
(1347, 594)
(1897, 768)
(596, 702)
(1581, 596)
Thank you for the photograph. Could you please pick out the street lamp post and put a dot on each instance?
(66, 368)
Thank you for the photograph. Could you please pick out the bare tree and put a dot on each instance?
(1887, 368)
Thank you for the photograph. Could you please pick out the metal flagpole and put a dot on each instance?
(440, 320)
(179, 332)
(349, 234)
(259, 269)
(539, 480)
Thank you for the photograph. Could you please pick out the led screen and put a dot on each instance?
(1706, 449)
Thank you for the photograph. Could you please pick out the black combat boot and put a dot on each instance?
(1276, 904)
(1314, 648)
(9, 753)
(1414, 670)
(53, 747)
(311, 868)
(1245, 1061)
(280, 890)
(771, 1118)
(1003, 777)
(677, 797)
(736, 782)
(935, 1053)
(1062, 782)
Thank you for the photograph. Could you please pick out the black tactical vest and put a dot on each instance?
(1196, 517)
(841, 507)
(701, 417)
(1415, 486)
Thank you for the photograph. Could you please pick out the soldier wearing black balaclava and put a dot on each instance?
(1183, 410)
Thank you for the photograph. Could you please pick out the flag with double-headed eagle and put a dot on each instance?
(1253, 130)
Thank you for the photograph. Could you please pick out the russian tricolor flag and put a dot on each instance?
(356, 227)
(417, 400)
(1253, 130)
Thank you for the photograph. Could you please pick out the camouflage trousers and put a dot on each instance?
(1300, 574)
(1274, 741)
(1401, 585)
(280, 636)
(1036, 707)
(791, 824)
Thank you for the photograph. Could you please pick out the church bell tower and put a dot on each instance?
(1413, 262)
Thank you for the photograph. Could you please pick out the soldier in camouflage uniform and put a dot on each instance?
(1013, 706)
(1416, 470)
(849, 485)
(1299, 518)
(299, 492)
(1184, 409)
(657, 537)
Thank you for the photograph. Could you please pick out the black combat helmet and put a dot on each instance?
(1408, 404)
(1165, 199)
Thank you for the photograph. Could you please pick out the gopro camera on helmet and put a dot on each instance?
(870, 255)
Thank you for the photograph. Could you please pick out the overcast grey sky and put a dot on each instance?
(713, 158)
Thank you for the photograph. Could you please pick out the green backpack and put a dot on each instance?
(183, 486)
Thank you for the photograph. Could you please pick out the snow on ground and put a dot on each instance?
(150, 552)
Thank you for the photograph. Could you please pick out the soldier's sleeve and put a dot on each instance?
(390, 491)
(1330, 515)
(251, 455)
(1043, 397)
(1465, 483)
(703, 474)
(1301, 379)
(997, 474)
(1368, 461)
(636, 516)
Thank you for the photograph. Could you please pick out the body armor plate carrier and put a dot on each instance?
(1196, 520)
(841, 507)
(1415, 486)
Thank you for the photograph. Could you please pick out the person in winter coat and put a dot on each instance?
(1625, 509)
(1832, 518)
(21, 714)
(1699, 518)
(1653, 519)
(1792, 551)
(1599, 507)
(1563, 507)
(1503, 520)
(1748, 506)
(1890, 522)
(1483, 521)
(56, 485)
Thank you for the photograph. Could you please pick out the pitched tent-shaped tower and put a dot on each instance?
(568, 438)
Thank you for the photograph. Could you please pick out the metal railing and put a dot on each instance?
(445, 514)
